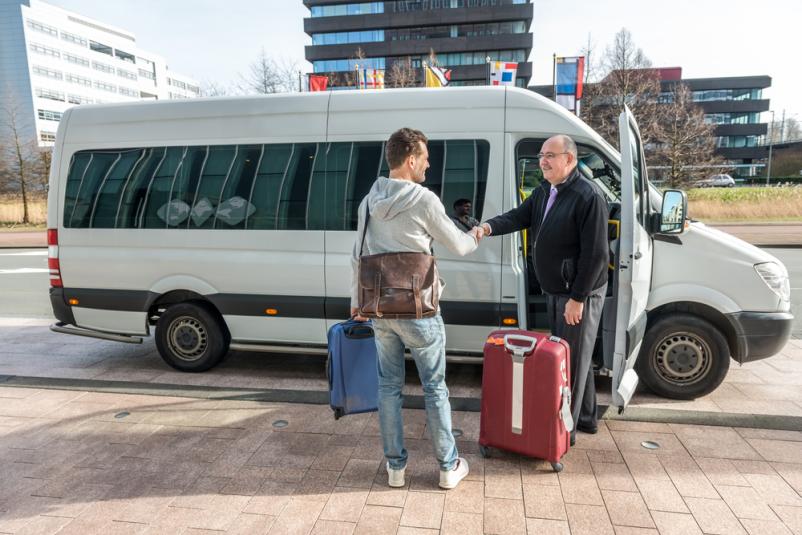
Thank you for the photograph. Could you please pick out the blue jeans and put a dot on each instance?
(426, 340)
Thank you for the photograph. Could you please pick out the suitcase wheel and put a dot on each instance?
(338, 413)
(558, 467)
(484, 451)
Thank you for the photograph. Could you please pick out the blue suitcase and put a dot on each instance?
(351, 368)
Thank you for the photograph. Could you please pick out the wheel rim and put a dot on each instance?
(188, 338)
(683, 358)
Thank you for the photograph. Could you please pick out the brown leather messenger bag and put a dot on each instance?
(397, 285)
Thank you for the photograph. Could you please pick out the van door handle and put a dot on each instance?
(638, 255)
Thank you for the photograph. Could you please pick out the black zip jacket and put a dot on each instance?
(570, 248)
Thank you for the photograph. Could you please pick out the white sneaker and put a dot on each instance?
(395, 478)
(451, 478)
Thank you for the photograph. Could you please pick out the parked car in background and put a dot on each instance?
(716, 181)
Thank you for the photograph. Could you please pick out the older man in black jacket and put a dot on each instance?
(567, 218)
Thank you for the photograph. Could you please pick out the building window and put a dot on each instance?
(44, 50)
(77, 60)
(49, 115)
(79, 80)
(404, 6)
(103, 86)
(193, 88)
(78, 99)
(47, 73)
(125, 56)
(735, 142)
(102, 67)
(176, 83)
(99, 47)
(342, 65)
(147, 74)
(339, 38)
(126, 74)
(364, 8)
(72, 38)
(727, 94)
(461, 30)
(732, 118)
(47, 137)
(49, 94)
(43, 28)
(128, 92)
(453, 59)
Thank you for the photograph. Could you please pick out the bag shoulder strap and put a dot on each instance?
(365, 228)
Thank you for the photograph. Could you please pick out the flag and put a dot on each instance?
(318, 82)
(437, 76)
(569, 73)
(503, 73)
(372, 79)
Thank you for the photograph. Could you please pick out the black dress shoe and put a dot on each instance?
(573, 440)
(587, 429)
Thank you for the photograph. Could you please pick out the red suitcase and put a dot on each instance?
(526, 395)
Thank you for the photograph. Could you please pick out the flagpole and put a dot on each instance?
(487, 70)
(554, 75)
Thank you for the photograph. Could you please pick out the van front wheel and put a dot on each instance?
(683, 357)
(190, 338)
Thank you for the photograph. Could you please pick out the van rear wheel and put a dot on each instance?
(683, 357)
(190, 338)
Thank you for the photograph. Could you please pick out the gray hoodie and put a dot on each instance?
(404, 217)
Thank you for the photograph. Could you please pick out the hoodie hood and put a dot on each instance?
(389, 197)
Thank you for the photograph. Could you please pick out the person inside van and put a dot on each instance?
(404, 216)
(463, 216)
(567, 218)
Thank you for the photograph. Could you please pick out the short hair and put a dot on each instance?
(568, 144)
(403, 143)
(461, 202)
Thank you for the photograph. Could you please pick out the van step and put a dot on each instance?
(63, 328)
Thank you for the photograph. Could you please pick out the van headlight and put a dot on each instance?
(776, 277)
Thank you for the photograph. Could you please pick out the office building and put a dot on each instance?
(462, 34)
(51, 59)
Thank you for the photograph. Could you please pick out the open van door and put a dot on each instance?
(634, 261)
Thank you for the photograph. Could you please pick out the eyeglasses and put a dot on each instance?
(548, 155)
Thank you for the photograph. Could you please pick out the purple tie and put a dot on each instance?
(550, 202)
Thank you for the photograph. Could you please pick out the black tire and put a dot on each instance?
(191, 338)
(683, 357)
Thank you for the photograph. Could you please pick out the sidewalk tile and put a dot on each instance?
(627, 509)
(781, 451)
(774, 490)
(580, 489)
(765, 527)
(359, 473)
(331, 527)
(345, 505)
(688, 477)
(406, 530)
(754, 467)
(542, 526)
(246, 481)
(630, 441)
(333, 458)
(588, 520)
(477, 464)
(629, 530)
(504, 517)
(714, 516)
(675, 524)
(614, 476)
(537, 472)
(298, 517)
(715, 442)
(271, 498)
(604, 456)
(791, 473)
(602, 440)
(542, 501)
(424, 475)
(661, 496)
(462, 523)
(645, 466)
(791, 516)
(317, 485)
(468, 497)
(643, 427)
(745, 502)
(44, 525)
(383, 494)
(423, 510)
(250, 524)
(576, 462)
(503, 479)
(377, 520)
(721, 472)
(175, 518)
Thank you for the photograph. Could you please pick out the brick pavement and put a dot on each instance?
(70, 465)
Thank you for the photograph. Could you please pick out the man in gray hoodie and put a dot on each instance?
(406, 217)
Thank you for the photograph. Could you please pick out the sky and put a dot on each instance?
(215, 41)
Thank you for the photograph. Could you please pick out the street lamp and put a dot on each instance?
(771, 137)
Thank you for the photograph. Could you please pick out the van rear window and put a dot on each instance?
(293, 186)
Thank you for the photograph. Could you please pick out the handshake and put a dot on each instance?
(480, 231)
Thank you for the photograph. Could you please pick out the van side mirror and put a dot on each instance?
(673, 212)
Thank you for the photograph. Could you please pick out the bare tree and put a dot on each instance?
(18, 152)
(686, 146)
(266, 75)
(402, 74)
(215, 89)
(787, 130)
(592, 62)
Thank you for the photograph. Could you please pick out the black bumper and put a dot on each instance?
(759, 334)
(61, 310)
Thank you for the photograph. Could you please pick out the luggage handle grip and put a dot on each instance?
(358, 331)
(519, 349)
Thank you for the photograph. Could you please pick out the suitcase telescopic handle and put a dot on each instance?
(519, 350)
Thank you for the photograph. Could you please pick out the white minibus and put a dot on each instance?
(228, 223)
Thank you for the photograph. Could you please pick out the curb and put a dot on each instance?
(321, 397)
